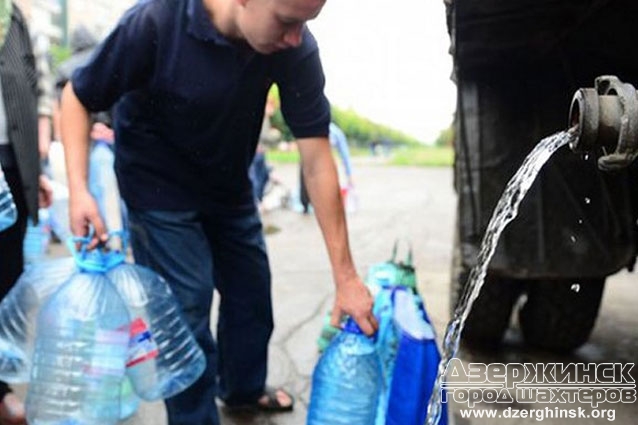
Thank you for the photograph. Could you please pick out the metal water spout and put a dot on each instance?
(606, 118)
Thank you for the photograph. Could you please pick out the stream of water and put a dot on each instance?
(505, 211)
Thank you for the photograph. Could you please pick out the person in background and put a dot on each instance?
(82, 44)
(339, 141)
(259, 171)
(20, 159)
(190, 80)
(102, 180)
(46, 93)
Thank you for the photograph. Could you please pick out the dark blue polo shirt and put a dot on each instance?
(189, 104)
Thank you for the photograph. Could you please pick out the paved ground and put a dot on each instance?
(411, 204)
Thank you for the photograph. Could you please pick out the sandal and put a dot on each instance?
(268, 403)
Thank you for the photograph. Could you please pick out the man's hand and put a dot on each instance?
(101, 131)
(83, 212)
(353, 298)
(45, 192)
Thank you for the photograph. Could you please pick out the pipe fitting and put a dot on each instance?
(606, 117)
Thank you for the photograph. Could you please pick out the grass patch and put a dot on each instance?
(423, 156)
(282, 157)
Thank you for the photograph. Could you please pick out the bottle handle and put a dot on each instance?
(99, 260)
(409, 256)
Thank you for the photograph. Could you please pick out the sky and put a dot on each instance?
(388, 61)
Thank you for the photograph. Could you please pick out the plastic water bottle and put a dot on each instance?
(386, 344)
(18, 314)
(129, 401)
(8, 210)
(416, 365)
(37, 238)
(59, 210)
(163, 357)
(80, 353)
(347, 381)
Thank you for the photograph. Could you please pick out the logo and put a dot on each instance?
(548, 383)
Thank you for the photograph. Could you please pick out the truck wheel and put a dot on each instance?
(559, 315)
(491, 312)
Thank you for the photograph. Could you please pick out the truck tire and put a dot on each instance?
(492, 310)
(559, 315)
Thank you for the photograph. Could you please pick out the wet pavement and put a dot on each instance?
(415, 205)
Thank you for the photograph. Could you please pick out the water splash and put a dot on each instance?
(505, 211)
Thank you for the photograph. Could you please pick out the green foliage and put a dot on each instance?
(282, 157)
(361, 131)
(446, 137)
(277, 121)
(423, 156)
(59, 54)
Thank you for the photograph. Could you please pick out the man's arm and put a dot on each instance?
(75, 127)
(320, 174)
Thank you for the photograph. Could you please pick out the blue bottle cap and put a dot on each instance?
(352, 327)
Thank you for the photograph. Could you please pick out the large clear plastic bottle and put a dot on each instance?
(18, 315)
(164, 357)
(37, 238)
(129, 401)
(347, 381)
(8, 210)
(80, 353)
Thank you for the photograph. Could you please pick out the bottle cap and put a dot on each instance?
(352, 327)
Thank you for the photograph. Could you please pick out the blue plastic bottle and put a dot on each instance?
(80, 351)
(347, 381)
(8, 210)
(416, 365)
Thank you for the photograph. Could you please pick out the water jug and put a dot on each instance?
(18, 314)
(37, 238)
(129, 401)
(59, 211)
(8, 210)
(163, 358)
(80, 349)
(347, 381)
(416, 365)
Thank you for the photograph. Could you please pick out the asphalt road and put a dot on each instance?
(416, 206)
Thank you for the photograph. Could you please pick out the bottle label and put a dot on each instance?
(142, 346)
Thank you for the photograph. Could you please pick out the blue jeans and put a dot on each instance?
(196, 253)
(259, 175)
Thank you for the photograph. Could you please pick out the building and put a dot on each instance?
(56, 19)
